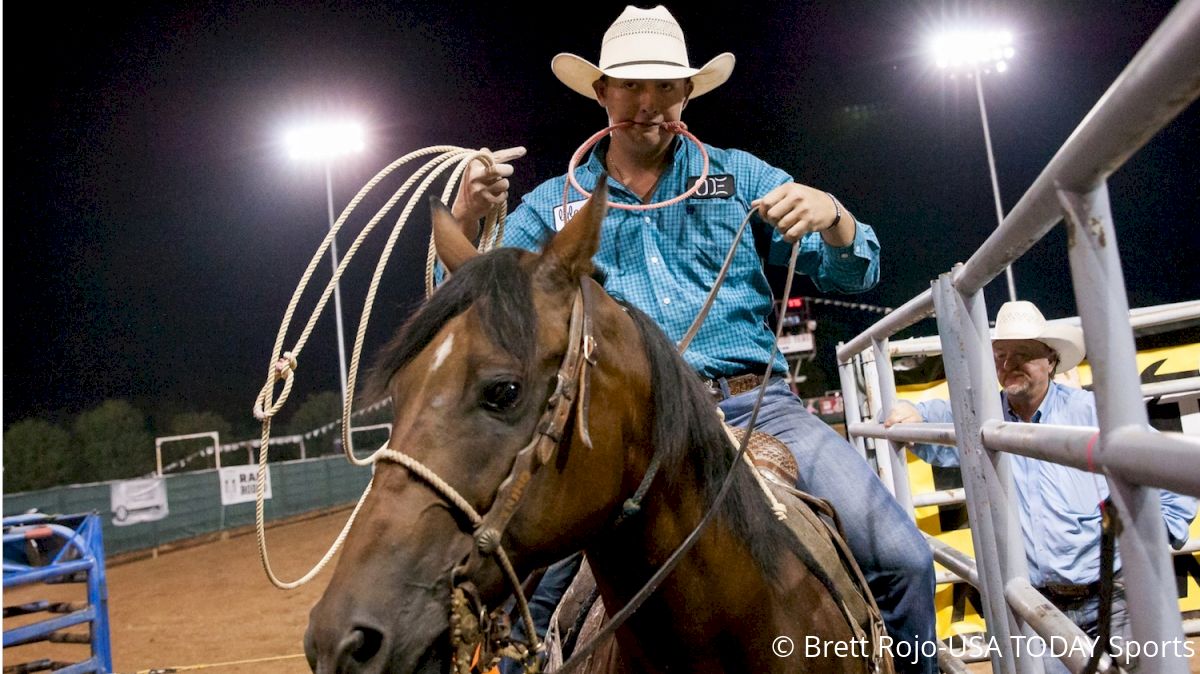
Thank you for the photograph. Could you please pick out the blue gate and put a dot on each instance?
(58, 549)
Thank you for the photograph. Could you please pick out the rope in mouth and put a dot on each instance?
(676, 127)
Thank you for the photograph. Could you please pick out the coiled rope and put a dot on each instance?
(283, 363)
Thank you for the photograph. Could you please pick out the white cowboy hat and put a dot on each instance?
(642, 44)
(1022, 320)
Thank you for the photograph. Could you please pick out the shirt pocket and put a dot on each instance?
(711, 227)
(1072, 491)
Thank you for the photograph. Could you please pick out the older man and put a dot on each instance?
(1058, 506)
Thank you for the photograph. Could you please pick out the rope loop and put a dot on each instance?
(676, 127)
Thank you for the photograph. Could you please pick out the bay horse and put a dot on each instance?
(518, 345)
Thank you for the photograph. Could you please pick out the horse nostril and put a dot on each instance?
(362, 644)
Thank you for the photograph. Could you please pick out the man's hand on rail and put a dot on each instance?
(483, 187)
(903, 412)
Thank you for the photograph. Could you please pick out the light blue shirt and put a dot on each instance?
(664, 261)
(1059, 506)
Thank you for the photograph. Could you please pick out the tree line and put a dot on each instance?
(114, 441)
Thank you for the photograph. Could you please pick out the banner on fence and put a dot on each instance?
(135, 501)
(240, 483)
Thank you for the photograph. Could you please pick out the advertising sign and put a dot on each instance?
(135, 501)
(239, 484)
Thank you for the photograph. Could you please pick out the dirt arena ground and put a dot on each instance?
(212, 603)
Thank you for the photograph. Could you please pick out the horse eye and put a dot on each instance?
(501, 396)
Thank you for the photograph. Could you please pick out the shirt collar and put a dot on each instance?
(1053, 393)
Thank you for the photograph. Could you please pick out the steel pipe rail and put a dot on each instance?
(928, 434)
(1158, 84)
(947, 578)
(41, 631)
(948, 662)
(957, 562)
(1167, 460)
(912, 311)
(1143, 320)
(1052, 625)
(940, 498)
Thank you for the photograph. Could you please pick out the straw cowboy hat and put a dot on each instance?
(642, 44)
(1022, 320)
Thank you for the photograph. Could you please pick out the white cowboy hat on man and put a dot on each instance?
(1022, 320)
(642, 44)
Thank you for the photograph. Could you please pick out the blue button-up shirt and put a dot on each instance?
(664, 261)
(1059, 506)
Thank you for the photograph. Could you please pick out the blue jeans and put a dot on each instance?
(893, 555)
(543, 602)
(1086, 614)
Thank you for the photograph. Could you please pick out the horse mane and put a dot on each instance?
(686, 426)
(497, 285)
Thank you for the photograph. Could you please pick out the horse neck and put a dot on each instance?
(623, 560)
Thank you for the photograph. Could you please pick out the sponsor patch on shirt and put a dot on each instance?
(714, 187)
(572, 208)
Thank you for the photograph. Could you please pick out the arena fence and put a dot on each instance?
(1157, 85)
(192, 504)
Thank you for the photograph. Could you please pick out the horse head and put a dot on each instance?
(477, 382)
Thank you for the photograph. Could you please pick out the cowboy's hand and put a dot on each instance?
(903, 412)
(796, 210)
(482, 187)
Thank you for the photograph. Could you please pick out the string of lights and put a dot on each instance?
(850, 305)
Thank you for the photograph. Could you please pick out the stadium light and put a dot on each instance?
(976, 53)
(325, 142)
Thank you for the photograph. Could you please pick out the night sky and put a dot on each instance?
(154, 227)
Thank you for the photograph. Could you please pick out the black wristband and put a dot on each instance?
(837, 212)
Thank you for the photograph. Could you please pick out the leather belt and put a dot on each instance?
(737, 384)
(1070, 594)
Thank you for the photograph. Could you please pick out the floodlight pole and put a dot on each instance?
(337, 293)
(987, 138)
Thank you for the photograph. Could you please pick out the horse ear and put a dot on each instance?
(570, 251)
(452, 247)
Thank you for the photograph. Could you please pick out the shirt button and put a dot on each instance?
(646, 218)
(654, 260)
(845, 255)
(666, 300)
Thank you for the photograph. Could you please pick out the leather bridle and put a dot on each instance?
(570, 394)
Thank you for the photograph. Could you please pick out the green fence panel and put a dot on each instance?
(194, 505)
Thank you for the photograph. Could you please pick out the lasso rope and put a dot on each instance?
(672, 127)
(230, 663)
(284, 363)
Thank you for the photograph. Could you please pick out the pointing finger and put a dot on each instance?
(508, 154)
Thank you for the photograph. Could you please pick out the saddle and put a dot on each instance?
(811, 519)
